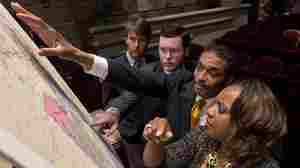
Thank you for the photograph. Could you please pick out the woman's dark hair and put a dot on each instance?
(259, 120)
(136, 23)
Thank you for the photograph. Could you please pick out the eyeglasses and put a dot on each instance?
(172, 51)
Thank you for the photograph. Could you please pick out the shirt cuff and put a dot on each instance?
(114, 110)
(99, 68)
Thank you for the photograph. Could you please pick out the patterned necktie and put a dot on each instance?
(196, 109)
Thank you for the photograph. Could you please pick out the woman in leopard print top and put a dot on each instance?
(242, 121)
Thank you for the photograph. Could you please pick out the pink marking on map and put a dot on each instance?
(63, 120)
(54, 111)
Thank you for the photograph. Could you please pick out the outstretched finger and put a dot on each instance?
(19, 9)
(49, 52)
(35, 22)
(44, 31)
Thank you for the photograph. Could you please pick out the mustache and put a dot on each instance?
(201, 84)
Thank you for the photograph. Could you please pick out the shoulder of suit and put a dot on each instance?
(187, 75)
(149, 58)
(153, 66)
(121, 59)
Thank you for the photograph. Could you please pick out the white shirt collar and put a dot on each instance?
(130, 59)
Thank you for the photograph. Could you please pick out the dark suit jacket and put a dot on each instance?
(176, 93)
(121, 98)
(145, 109)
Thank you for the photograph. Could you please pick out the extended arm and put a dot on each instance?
(123, 101)
(126, 77)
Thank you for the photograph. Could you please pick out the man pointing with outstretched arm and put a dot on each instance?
(215, 69)
(58, 45)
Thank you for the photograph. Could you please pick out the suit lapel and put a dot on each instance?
(125, 60)
(179, 111)
(187, 97)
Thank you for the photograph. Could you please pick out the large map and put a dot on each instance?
(40, 110)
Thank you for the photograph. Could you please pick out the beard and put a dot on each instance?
(201, 89)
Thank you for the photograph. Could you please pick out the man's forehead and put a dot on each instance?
(173, 41)
(210, 59)
(134, 34)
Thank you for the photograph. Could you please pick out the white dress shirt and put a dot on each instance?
(99, 68)
(130, 59)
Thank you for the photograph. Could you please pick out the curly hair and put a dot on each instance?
(234, 59)
(259, 120)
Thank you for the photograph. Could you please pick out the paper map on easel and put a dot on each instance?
(40, 110)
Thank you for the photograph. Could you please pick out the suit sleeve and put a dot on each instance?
(138, 81)
(124, 101)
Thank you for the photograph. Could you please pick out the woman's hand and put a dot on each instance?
(158, 131)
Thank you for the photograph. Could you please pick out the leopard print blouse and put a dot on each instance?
(196, 145)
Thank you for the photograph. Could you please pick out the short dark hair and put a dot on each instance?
(259, 119)
(138, 24)
(171, 30)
